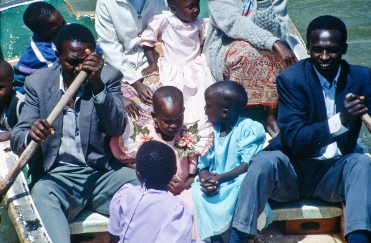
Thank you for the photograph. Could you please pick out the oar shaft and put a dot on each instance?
(32, 146)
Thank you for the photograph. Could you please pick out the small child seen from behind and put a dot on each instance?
(147, 213)
(223, 167)
(11, 102)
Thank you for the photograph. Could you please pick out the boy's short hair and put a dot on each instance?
(327, 22)
(74, 33)
(156, 163)
(37, 14)
(228, 94)
(6, 71)
(168, 94)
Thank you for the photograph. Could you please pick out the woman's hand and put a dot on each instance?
(283, 52)
(132, 108)
(144, 92)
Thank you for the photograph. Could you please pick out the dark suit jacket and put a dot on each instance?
(302, 114)
(98, 122)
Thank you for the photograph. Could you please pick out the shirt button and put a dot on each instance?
(139, 35)
(135, 49)
(140, 17)
(134, 66)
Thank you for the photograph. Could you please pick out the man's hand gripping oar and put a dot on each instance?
(32, 146)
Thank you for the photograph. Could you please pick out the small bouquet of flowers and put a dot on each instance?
(186, 142)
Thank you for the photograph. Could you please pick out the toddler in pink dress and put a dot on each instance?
(181, 32)
(167, 127)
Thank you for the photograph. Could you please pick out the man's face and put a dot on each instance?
(52, 26)
(73, 55)
(326, 48)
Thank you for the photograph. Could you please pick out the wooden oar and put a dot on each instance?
(365, 118)
(32, 146)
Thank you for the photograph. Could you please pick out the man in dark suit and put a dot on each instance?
(74, 166)
(321, 102)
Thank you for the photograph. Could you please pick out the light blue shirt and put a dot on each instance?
(336, 128)
(138, 5)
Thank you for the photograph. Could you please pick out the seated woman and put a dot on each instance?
(246, 44)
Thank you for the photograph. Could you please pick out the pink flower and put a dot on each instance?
(142, 138)
(187, 140)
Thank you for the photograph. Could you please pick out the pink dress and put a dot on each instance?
(125, 148)
(183, 65)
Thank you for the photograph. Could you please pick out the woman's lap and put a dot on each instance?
(255, 69)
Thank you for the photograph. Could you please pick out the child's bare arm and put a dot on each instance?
(230, 175)
(152, 65)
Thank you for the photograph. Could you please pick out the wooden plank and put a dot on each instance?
(21, 208)
(311, 226)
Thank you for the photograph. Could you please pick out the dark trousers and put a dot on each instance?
(271, 175)
(61, 194)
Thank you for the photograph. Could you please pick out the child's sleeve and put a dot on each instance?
(152, 34)
(205, 160)
(251, 141)
(115, 211)
(178, 225)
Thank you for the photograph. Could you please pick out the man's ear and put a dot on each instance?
(345, 48)
(225, 112)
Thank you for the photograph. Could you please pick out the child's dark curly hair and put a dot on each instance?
(156, 163)
(228, 94)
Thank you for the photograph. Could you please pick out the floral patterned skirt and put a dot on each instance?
(256, 69)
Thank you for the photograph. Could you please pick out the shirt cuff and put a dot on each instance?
(335, 126)
(25, 140)
(99, 98)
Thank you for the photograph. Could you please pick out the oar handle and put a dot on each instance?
(32, 146)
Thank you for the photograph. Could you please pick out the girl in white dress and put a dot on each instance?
(181, 32)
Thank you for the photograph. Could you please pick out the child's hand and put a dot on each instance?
(209, 185)
(144, 92)
(132, 108)
(150, 69)
(176, 185)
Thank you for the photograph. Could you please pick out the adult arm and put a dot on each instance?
(239, 27)
(301, 131)
(114, 51)
(110, 107)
